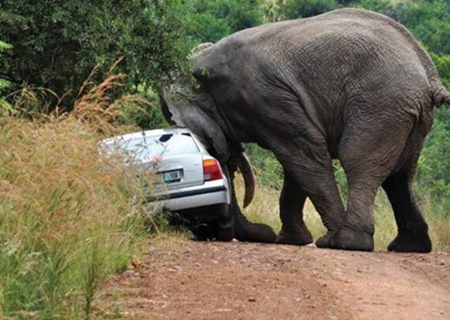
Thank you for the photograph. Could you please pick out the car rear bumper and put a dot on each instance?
(210, 193)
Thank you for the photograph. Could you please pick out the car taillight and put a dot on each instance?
(211, 170)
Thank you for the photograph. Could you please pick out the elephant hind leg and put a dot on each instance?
(292, 200)
(368, 152)
(412, 228)
(357, 230)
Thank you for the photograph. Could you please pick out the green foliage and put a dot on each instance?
(341, 179)
(443, 66)
(56, 46)
(307, 8)
(428, 20)
(267, 169)
(5, 107)
(216, 19)
(239, 15)
(208, 28)
(433, 176)
(3, 82)
(295, 9)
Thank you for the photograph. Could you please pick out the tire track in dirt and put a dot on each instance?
(230, 281)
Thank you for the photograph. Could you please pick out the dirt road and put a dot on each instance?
(231, 281)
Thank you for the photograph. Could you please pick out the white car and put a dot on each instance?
(190, 180)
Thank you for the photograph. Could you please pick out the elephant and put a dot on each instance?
(349, 84)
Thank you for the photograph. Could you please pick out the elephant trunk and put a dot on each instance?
(246, 170)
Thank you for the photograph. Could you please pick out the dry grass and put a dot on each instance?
(264, 208)
(65, 221)
(68, 218)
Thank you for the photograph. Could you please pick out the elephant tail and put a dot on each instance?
(440, 96)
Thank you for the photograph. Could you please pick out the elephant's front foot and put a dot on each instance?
(411, 243)
(299, 237)
(347, 239)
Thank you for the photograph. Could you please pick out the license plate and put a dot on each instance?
(172, 176)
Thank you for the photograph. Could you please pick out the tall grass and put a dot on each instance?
(264, 209)
(68, 217)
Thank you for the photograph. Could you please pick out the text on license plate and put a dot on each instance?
(172, 176)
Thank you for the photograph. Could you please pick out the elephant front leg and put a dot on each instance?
(292, 200)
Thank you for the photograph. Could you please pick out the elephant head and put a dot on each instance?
(196, 111)
(193, 107)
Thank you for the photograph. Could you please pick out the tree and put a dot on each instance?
(56, 46)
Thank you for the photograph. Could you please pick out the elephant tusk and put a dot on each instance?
(246, 169)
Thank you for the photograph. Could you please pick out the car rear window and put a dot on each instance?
(153, 146)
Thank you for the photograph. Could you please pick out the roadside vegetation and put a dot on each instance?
(66, 222)
(68, 217)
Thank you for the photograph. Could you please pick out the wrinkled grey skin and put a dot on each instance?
(351, 85)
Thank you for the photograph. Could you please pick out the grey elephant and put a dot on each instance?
(351, 85)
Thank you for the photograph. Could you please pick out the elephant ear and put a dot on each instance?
(184, 111)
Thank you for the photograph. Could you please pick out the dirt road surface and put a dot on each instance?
(232, 281)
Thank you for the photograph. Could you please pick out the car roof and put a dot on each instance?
(148, 133)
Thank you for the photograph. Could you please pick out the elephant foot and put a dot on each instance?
(256, 232)
(411, 243)
(300, 238)
(347, 239)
